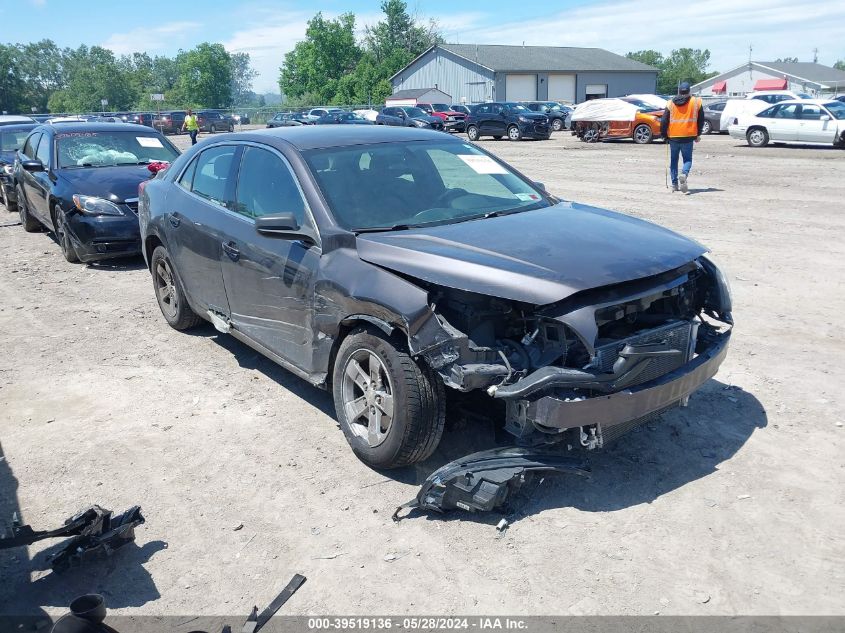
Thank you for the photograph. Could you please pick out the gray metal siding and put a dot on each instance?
(453, 75)
(618, 84)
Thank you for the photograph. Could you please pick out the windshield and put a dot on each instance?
(415, 112)
(804, 95)
(11, 140)
(99, 149)
(837, 109)
(440, 107)
(392, 185)
(517, 107)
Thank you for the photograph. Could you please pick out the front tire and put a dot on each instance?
(757, 137)
(30, 224)
(10, 206)
(391, 409)
(472, 133)
(707, 128)
(643, 135)
(169, 292)
(514, 133)
(557, 125)
(213, 129)
(62, 236)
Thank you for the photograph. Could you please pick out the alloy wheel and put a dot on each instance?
(756, 137)
(642, 134)
(165, 287)
(367, 396)
(513, 133)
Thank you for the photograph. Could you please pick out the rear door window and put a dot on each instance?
(789, 111)
(212, 177)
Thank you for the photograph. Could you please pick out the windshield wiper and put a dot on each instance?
(378, 229)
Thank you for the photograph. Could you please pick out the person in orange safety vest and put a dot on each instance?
(680, 126)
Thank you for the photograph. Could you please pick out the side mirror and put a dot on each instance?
(32, 165)
(282, 225)
(540, 185)
(824, 117)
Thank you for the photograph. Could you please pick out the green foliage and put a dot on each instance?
(683, 64)
(205, 76)
(840, 65)
(12, 86)
(330, 67)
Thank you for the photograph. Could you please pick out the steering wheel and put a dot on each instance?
(442, 201)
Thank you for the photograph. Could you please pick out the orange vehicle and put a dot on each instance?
(640, 122)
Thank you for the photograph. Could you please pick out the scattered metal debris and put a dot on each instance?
(95, 532)
(255, 620)
(483, 481)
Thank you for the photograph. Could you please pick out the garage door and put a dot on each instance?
(562, 88)
(521, 87)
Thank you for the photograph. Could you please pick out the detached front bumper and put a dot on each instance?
(625, 405)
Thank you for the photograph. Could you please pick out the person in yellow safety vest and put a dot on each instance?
(680, 126)
(192, 125)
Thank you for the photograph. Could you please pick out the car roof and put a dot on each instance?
(15, 118)
(317, 137)
(805, 101)
(23, 125)
(71, 127)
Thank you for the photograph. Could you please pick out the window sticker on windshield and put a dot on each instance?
(527, 197)
(482, 164)
(148, 141)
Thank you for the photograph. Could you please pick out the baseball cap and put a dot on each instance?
(683, 88)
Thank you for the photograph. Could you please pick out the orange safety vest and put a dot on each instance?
(683, 120)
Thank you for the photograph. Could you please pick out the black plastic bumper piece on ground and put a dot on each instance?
(95, 532)
(483, 481)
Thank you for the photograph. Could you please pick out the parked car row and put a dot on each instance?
(387, 264)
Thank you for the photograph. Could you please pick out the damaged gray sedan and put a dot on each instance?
(391, 264)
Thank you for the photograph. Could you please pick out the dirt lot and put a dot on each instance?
(733, 505)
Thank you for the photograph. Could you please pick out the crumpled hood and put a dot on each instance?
(537, 257)
(112, 183)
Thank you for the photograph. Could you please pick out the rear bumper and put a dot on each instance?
(612, 409)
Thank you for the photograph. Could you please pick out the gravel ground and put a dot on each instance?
(733, 505)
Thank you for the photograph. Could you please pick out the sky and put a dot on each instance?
(267, 30)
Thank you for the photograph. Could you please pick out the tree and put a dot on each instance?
(242, 75)
(840, 65)
(205, 77)
(650, 57)
(91, 75)
(42, 70)
(12, 86)
(317, 64)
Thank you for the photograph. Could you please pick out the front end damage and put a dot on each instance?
(588, 368)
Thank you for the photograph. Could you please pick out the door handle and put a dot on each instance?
(231, 250)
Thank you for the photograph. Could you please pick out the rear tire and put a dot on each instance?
(169, 292)
(30, 224)
(10, 206)
(757, 137)
(707, 128)
(370, 372)
(472, 133)
(213, 129)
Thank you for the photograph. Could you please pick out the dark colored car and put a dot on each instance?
(556, 112)
(169, 122)
(467, 110)
(509, 119)
(141, 118)
(408, 116)
(81, 181)
(452, 121)
(241, 119)
(15, 119)
(389, 264)
(212, 121)
(12, 138)
(287, 119)
(712, 117)
(342, 118)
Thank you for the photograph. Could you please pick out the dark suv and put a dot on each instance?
(213, 121)
(169, 122)
(555, 111)
(509, 119)
(408, 117)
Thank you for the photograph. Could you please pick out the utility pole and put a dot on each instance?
(815, 55)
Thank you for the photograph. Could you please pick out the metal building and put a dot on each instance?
(811, 78)
(473, 73)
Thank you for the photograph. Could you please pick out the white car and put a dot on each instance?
(793, 121)
(755, 102)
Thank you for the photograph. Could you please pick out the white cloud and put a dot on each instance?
(775, 28)
(165, 37)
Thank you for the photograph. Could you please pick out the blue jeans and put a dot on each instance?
(684, 149)
(193, 135)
